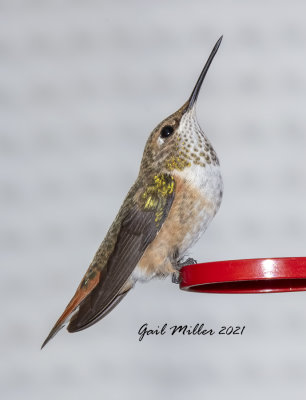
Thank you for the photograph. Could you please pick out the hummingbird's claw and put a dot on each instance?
(189, 261)
(176, 278)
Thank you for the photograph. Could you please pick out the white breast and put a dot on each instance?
(208, 182)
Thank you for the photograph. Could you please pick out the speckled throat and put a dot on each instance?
(192, 146)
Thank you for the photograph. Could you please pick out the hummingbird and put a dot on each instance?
(174, 198)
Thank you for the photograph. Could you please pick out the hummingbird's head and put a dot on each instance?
(178, 141)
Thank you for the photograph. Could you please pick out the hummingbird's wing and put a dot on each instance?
(139, 220)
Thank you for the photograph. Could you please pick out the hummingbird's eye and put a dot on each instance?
(166, 131)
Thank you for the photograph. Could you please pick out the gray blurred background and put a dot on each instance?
(82, 84)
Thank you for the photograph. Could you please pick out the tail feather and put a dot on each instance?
(61, 322)
(80, 295)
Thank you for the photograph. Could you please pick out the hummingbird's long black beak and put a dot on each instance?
(194, 95)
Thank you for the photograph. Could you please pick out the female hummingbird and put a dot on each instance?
(176, 194)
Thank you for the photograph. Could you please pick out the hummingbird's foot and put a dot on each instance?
(176, 278)
(189, 261)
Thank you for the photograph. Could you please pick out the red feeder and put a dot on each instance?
(261, 275)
